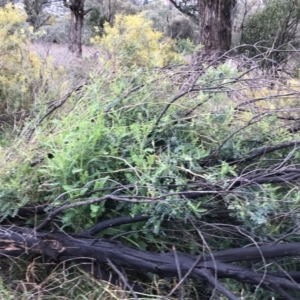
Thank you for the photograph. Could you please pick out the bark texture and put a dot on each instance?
(76, 32)
(215, 22)
(77, 16)
(15, 241)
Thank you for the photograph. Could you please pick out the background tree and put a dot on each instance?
(180, 27)
(35, 13)
(78, 13)
(214, 19)
(273, 29)
(96, 21)
(104, 10)
(191, 187)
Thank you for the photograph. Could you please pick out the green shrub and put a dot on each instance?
(129, 133)
(185, 46)
(58, 32)
(25, 79)
(273, 27)
(133, 40)
(180, 27)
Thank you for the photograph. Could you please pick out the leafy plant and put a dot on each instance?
(272, 27)
(185, 46)
(212, 166)
(133, 40)
(25, 79)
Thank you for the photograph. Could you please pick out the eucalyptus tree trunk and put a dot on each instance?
(77, 16)
(215, 22)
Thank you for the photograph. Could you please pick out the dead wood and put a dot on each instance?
(15, 241)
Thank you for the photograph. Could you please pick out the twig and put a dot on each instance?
(283, 293)
(264, 150)
(186, 275)
(87, 202)
(49, 112)
(130, 199)
(216, 284)
(254, 120)
(126, 95)
(179, 272)
(113, 222)
(122, 278)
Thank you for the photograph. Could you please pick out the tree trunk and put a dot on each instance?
(215, 25)
(77, 15)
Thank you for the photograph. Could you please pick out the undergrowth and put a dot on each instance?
(127, 132)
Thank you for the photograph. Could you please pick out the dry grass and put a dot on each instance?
(77, 70)
(60, 53)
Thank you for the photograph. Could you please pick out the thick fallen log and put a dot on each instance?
(15, 241)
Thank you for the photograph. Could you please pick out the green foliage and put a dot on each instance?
(180, 27)
(58, 31)
(133, 41)
(159, 14)
(106, 142)
(185, 46)
(96, 21)
(25, 79)
(125, 134)
(5, 292)
(105, 11)
(36, 16)
(274, 26)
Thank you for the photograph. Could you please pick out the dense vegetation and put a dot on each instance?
(144, 174)
(273, 28)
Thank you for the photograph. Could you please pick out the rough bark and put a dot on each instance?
(215, 25)
(214, 18)
(76, 32)
(77, 15)
(15, 241)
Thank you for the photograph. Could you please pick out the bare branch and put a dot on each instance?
(216, 284)
(122, 278)
(184, 11)
(112, 223)
(268, 149)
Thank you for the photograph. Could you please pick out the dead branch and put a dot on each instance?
(60, 247)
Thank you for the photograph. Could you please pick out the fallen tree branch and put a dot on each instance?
(88, 202)
(113, 222)
(268, 149)
(130, 199)
(60, 247)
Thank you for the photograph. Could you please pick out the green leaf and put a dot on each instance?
(67, 188)
(76, 170)
(94, 208)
